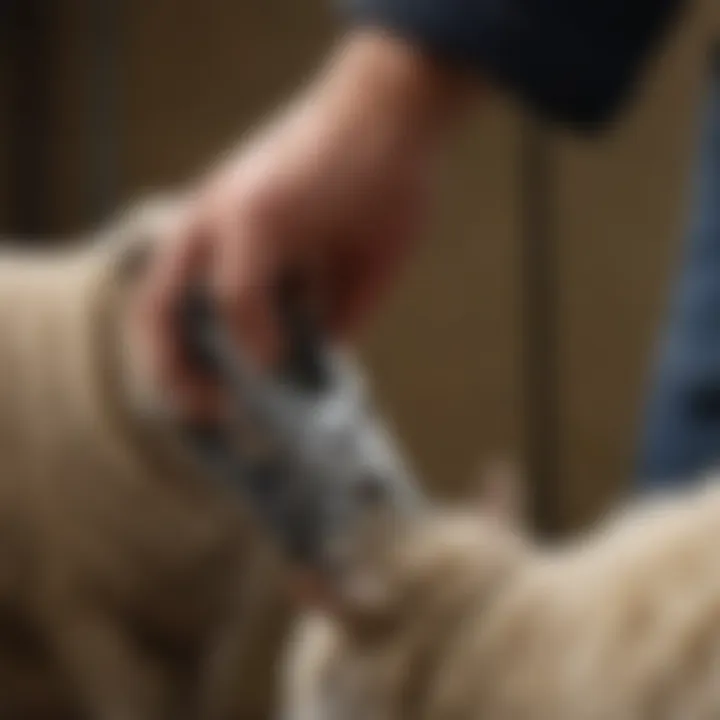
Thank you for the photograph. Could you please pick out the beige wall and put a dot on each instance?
(197, 74)
(622, 209)
(448, 351)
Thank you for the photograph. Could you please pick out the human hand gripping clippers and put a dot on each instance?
(306, 447)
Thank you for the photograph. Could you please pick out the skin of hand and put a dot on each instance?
(333, 189)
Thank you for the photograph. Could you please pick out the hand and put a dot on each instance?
(334, 188)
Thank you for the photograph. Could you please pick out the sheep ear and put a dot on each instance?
(500, 492)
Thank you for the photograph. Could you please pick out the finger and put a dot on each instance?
(177, 264)
(245, 287)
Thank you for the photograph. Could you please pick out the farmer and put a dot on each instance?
(337, 183)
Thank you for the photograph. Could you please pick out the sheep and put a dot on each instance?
(132, 586)
(461, 615)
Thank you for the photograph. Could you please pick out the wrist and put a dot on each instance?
(397, 82)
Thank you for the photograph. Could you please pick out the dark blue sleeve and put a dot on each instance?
(570, 60)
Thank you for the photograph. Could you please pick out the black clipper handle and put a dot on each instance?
(304, 364)
(267, 485)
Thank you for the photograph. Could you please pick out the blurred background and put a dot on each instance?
(526, 327)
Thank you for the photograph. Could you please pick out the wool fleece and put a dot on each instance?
(132, 586)
(471, 620)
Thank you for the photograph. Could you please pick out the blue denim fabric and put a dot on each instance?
(681, 437)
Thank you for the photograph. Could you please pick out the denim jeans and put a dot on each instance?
(681, 433)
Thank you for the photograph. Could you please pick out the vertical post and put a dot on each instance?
(30, 34)
(540, 325)
(103, 111)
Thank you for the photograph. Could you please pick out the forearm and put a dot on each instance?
(375, 93)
